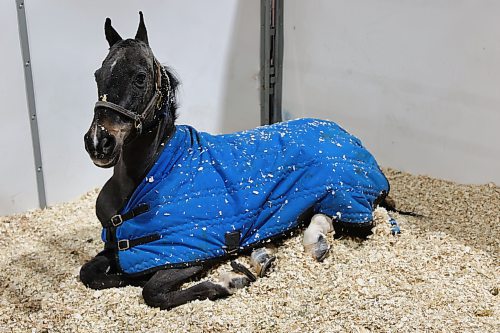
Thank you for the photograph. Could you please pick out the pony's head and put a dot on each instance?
(134, 92)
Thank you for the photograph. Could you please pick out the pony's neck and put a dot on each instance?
(139, 155)
(136, 159)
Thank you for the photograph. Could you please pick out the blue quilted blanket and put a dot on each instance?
(209, 195)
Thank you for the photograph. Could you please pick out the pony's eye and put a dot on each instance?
(140, 79)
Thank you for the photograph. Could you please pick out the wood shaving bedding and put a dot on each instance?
(441, 274)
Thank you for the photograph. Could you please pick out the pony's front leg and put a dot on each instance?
(162, 290)
(98, 274)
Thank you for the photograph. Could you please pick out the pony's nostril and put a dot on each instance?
(107, 144)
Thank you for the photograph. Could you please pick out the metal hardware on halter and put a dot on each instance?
(153, 104)
(138, 125)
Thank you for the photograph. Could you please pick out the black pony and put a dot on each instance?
(134, 116)
(133, 121)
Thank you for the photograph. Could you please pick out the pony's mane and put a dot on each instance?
(171, 105)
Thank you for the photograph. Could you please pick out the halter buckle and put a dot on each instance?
(138, 124)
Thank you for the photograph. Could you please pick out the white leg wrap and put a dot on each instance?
(320, 225)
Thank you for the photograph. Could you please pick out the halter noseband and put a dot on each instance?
(154, 103)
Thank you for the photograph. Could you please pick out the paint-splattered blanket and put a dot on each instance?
(211, 195)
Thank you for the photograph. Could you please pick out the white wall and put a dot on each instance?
(17, 167)
(203, 41)
(417, 81)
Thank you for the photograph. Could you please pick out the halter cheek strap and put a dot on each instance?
(153, 104)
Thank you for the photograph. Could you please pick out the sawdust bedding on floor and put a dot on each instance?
(441, 274)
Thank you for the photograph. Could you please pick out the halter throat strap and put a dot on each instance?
(154, 103)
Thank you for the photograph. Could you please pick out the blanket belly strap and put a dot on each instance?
(125, 244)
(232, 242)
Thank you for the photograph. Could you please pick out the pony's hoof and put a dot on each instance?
(319, 250)
(232, 281)
(261, 261)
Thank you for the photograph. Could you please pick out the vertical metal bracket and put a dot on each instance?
(271, 60)
(30, 98)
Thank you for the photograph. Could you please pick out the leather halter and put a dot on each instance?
(154, 103)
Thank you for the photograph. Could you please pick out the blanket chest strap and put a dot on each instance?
(118, 219)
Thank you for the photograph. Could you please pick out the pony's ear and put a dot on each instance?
(142, 34)
(111, 35)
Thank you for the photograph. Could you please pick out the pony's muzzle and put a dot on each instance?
(100, 145)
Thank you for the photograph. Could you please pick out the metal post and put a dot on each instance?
(30, 97)
(271, 60)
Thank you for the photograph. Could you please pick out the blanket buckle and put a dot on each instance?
(116, 220)
(123, 244)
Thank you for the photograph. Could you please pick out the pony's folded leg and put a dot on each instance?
(314, 241)
(232, 281)
(261, 261)
(98, 274)
(164, 291)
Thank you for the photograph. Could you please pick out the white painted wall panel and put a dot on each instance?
(417, 81)
(17, 169)
(213, 46)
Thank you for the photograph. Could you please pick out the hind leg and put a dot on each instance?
(314, 241)
(163, 289)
